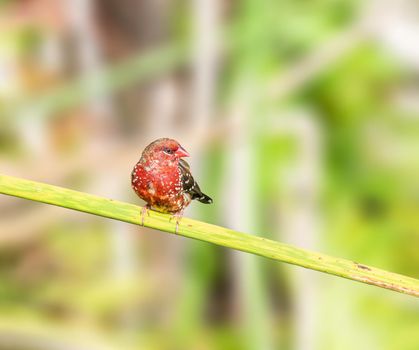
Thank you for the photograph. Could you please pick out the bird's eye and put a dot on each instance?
(168, 150)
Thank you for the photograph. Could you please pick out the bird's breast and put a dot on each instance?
(160, 186)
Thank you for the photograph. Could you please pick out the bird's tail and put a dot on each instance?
(204, 199)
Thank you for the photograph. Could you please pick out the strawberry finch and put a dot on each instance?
(164, 181)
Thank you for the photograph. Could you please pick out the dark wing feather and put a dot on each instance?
(189, 184)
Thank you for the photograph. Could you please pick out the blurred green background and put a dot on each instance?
(302, 119)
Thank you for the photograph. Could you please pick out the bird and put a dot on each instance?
(163, 179)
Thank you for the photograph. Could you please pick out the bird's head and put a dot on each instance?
(165, 149)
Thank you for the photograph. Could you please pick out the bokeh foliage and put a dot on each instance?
(62, 278)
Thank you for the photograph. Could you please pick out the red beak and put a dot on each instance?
(181, 152)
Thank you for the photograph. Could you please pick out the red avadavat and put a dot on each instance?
(163, 179)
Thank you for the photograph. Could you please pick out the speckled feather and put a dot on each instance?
(163, 180)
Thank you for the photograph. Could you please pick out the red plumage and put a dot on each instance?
(163, 179)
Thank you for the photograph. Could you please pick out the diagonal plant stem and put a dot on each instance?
(130, 213)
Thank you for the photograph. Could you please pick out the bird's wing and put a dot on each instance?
(188, 182)
(189, 185)
(184, 164)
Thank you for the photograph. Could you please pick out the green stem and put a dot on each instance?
(130, 213)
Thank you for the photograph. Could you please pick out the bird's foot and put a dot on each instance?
(177, 216)
(145, 211)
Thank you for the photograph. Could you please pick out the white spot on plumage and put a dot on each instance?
(151, 188)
